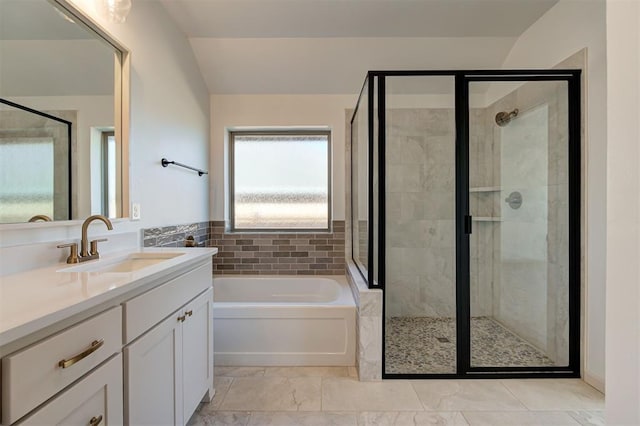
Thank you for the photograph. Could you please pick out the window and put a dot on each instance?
(280, 180)
(28, 176)
(109, 152)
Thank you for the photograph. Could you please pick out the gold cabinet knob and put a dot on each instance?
(95, 421)
(189, 313)
(181, 318)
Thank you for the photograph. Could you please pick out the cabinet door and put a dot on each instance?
(94, 400)
(33, 375)
(197, 343)
(153, 376)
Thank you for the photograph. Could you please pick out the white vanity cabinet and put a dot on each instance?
(94, 401)
(36, 373)
(132, 349)
(197, 352)
(153, 376)
(169, 369)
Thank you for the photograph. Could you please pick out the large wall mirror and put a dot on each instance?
(63, 115)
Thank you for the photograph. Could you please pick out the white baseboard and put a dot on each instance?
(594, 381)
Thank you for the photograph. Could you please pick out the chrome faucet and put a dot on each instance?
(88, 251)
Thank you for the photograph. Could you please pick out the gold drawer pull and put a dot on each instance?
(95, 421)
(189, 313)
(182, 318)
(95, 345)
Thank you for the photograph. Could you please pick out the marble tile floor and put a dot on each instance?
(318, 396)
(426, 345)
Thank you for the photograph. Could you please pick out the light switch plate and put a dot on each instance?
(135, 211)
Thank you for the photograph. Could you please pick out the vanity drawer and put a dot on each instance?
(36, 373)
(143, 312)
(94, 400)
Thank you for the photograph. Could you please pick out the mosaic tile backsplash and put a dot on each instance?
(279, 253)
(176, 235)
(259, 253)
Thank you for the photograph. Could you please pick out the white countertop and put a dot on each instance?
(34, 299)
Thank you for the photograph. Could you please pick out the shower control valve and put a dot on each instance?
(514, 200)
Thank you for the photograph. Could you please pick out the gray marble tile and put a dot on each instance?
(150, 242)
(306, 371)
(220, 418)
(151, 232)
(369, 370)
(221, 385)
(559, 394)
(238, 371)
(519, 418)
(370, 348)
(418, 418)
(466, 395)
(588, 418)
(273, 394)
(370, 303)
(351, 395)
(302, 419)
(412, 150)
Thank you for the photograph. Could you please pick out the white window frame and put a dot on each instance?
(278, 132)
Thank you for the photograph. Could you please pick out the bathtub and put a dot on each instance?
(283, 321)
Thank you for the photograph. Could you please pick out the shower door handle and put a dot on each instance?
(468, 224)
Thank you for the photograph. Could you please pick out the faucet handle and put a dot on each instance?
(93, 250)
(73, 254)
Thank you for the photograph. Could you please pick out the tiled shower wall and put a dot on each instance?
(280, 253)
(530, 244)
(420, 189)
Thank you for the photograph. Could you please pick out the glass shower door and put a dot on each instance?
(420, 323)
(519, 208)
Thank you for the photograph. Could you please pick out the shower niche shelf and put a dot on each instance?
(486, 189)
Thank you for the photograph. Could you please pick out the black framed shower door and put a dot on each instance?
(516, 236)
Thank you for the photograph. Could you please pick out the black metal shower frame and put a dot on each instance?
(69, 125)
(462, 214)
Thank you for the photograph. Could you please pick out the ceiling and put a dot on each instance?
(327, 46)
(355, 18)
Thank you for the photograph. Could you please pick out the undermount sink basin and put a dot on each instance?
(130, 263)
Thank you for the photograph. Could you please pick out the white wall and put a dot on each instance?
(623, 213)
(278, 111)
(169, 118)
(568, 27)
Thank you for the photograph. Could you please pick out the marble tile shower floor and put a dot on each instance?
(319, 396)
(427, 345)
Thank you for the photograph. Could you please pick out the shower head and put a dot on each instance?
(503, 118)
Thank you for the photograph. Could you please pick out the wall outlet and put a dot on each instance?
(135, 211)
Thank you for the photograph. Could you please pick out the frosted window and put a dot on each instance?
(110, 167)
(280, 181)
(26, 173)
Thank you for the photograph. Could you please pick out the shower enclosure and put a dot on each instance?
(465, 202)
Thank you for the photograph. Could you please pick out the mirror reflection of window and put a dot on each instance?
(109, 169)
(26, 170)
